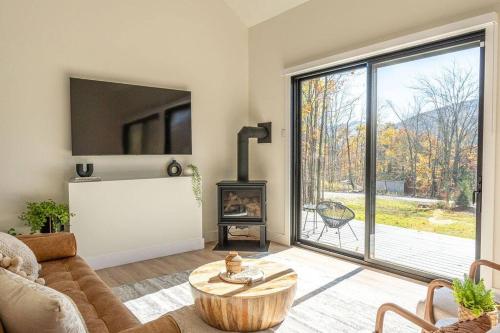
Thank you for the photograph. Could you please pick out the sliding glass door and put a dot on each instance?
(387, 158)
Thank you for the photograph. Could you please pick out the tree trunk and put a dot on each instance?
(321, 133)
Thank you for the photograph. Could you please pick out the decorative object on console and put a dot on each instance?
(174, 169)
(85, 172)
(46, 216)
(242, 202)
(196, 182)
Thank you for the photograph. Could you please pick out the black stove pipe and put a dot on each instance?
(262, 133)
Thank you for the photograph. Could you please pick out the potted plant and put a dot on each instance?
(46, 216)
(194, 172)
(474, 300)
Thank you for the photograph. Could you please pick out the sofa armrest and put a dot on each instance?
(164, 324)
(51, 246)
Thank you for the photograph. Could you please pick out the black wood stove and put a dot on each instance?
(242, 202)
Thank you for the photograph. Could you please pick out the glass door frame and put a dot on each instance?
(370, 162)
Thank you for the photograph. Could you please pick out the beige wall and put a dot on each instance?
(191, 44)
(315, 30)
(198, 45)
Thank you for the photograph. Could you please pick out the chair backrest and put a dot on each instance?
(334, 214)
(476, 264)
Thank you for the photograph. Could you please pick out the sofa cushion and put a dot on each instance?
(100, 308)
(10, 246)
(26, 306)
(51, 246)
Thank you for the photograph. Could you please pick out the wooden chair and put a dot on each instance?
(478, 325)
(473, 271)
(428, 323)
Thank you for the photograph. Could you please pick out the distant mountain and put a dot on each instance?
(429, 119)
(425, 120)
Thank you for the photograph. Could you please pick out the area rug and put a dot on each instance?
(328, 299)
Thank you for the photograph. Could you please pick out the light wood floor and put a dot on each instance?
(138, 271)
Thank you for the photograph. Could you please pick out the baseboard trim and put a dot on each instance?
(145, 253)
(210, 236)
(278, 238)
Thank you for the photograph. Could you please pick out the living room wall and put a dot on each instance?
(190, 44)
(317, 29)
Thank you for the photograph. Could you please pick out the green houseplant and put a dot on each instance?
(46, 216)
(196, 182)
(472, 298)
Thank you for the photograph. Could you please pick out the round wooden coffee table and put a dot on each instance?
(239, 307)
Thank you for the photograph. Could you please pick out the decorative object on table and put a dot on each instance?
(248, 275)
(233, 263)
(14, 264)
(254, 307)
(474, 300)
(46, 216)
(194, 172)
(86, 171)
(174, 169)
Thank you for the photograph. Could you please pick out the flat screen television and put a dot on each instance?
(110, 118)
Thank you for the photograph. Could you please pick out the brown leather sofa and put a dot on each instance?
(64, 271)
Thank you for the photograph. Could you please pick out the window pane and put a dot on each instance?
(333, 147)
(426, 160)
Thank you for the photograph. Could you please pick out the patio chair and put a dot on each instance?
(335, 215)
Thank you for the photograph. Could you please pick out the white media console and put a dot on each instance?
(122, 221)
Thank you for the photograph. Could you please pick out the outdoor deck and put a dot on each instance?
(443, 255)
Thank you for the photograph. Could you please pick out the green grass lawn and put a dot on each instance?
(407, 214)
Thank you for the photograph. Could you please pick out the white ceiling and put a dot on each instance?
(252, 12)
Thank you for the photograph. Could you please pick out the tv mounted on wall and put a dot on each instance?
(110, 118)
